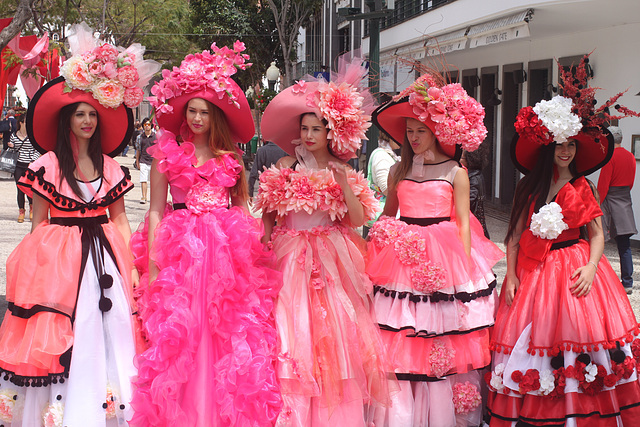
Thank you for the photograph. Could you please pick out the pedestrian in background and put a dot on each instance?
(266, 156)
(144, 159)
(380, 162)
(26, 155)
(614, 186)
(475, 161)
(13, 127)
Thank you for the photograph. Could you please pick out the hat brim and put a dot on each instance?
(591, 155)
(240, 119)
(281, 119)
(391, 118)
(114, 124)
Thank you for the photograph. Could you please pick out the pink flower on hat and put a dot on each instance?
(109, 93)
(76, 73)
(133, 96)
(128, 76)
(106, 53)
(299, 87)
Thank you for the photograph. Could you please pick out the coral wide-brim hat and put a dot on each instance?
(281, 119)
(240, 119)
(391, 118)
(114, 124)
(594, 150)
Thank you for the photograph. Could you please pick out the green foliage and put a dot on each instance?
(225, 21)
(263, 97)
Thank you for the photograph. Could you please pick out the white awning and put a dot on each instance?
(500, 30)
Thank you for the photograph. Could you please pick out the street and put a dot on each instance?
(13, 232)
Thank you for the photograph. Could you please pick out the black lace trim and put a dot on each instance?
(426, 334)
(427, 378)
(436, 296)
(26, 313)
(42, 381)
(68, 204)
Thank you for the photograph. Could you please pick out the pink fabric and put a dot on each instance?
(438, 203)
(208, 316)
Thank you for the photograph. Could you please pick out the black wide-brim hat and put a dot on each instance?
(114, 124)
(594, 150)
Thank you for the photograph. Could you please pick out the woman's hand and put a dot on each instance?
(135, 278)
(10, 144)
(339, 173)
(511, 284)
(585, 275)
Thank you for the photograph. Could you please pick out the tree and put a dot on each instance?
(225, 21)
(289, 16)
(21, 15)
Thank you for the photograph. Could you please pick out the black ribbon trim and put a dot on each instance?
(67, 204)
(27, 381)
(26, 313)
(424, 221)
(427, 334)
(565, 244)
(427, 378)
(436, 296)
(177, 206)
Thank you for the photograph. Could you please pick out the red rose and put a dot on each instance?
(487, 378)
(516, 376)
(570, 371)
(610, 380)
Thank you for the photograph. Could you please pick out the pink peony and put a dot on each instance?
(52, 416)
(7, 405)
(386, 231)
(106, 53)
(428, 277)
(466, 397)
(110, 70)
(128, 76)
(441, 358)
(96, 68)
(133, 96)
(76, 73)
(109, 93)
(410, 248)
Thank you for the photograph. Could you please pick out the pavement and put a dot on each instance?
(11, 232)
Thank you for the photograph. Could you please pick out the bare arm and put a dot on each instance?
(511, 281)
(158, 199)
(40, 211)
(585, 274)
(461, 203)
(391, 204)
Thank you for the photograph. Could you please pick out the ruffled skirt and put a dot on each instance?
(209, 323)
(562, 359)
(331, 360)
(56, 373)
(435, 307)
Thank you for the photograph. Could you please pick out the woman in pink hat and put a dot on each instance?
(566, 341)
(330, 360)
(207, 287)
(68, 339)
(434, 290)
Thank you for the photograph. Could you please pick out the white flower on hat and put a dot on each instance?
(556, 115)
(547, 223)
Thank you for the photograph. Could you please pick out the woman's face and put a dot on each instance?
(420, 136)
(565, 153)
(198, 117)
(84, 121)
(313, 132)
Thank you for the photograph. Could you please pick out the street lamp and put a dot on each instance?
(273, 73)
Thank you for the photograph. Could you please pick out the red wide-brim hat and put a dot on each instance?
(391, 118)
(594, 150)
(281, 119)
(240, 119)
(114, 124)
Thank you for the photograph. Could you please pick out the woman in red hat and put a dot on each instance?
(434, 290)
(566, 339)
(330, 361)
(207, 288)
(67, 341)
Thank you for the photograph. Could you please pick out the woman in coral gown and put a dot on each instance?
(330, 361)
(566, 342)
(431, 268)
(207, 287)
(67, 341)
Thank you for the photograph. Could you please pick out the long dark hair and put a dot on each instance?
(65, 155)
(534, 186)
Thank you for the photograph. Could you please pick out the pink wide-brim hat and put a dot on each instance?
(281, 119)
(391, 118)
(114, 124)
(240, 119)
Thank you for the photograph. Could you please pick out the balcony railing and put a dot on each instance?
(306, 67)
(407, 9)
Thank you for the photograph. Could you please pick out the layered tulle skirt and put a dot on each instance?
(434, 306)
(562, 359)
(208, 321)
(66, 362)
(331, 361)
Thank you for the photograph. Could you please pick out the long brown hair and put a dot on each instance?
(64, 153)
(220, 142)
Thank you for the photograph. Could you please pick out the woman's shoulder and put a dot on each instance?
(48, 160)
(285, 162)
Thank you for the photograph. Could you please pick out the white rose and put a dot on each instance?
(547, 223)
(556, 115)
(547, 382)
(496, 382)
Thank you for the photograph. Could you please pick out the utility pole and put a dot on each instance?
(375, 14)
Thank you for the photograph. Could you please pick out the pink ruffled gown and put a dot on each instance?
(434, 305)
(208, 316)
(330, 361)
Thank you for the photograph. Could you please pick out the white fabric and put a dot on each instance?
(144, 172)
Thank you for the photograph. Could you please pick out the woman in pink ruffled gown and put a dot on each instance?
(207, 288)
(431, 268)
(330, 361)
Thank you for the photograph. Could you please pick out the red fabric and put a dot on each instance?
(543, 410)
(619, 172)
